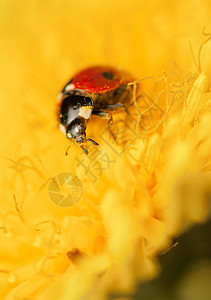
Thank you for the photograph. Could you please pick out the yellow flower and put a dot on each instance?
(132, 195)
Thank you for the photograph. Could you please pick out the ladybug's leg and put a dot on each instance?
(105, 115)
(102, 114)
(84, 150)
(117, 106)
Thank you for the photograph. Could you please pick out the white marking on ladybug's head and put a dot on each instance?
(69, 87)
(62, 128)
(76, 130)
(85, 111)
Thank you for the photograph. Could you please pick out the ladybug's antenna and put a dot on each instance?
(66, 153)
(91, 140)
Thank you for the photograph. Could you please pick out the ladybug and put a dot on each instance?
(94, 91)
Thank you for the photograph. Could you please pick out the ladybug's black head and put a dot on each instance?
(76, 131)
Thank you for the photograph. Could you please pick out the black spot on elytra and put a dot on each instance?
(108, 75)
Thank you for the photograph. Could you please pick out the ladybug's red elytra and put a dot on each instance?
(95, 91)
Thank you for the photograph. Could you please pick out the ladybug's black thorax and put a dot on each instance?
(70, 107)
